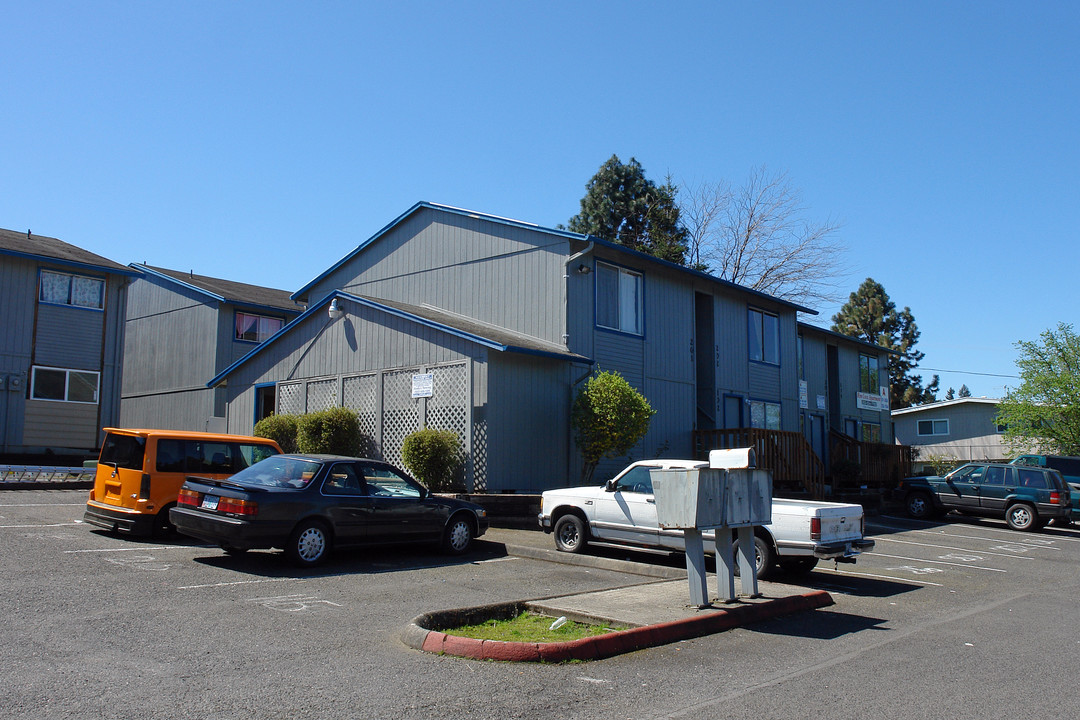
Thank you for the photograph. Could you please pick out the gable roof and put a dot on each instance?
(40, 247)
(302, 292)
(494, 338)
(946, 403)
(237, 293)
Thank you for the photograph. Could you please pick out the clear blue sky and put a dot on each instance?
(261, 141)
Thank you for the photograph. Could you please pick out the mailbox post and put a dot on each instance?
(720, 500)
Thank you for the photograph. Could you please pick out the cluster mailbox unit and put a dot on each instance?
(730, 494)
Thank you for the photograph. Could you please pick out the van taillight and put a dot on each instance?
(815, 528)
(187, 497)
(235, 506)
(144, 487)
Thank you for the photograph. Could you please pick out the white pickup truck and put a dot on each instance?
(623, 511)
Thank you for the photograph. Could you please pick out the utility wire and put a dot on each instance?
(967, 372)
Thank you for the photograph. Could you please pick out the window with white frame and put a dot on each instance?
(933, 427)
(619, 300)
(64, 385)
(75, 290)
(764, 415)
(256, 328)
(764, 337)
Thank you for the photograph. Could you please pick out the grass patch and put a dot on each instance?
(528, 627)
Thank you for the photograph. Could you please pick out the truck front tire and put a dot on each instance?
(570, 534)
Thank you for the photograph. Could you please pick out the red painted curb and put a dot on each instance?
(623, 641)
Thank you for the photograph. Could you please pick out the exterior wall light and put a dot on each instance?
(335, 310)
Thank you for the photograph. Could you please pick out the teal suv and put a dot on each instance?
(1027, 497)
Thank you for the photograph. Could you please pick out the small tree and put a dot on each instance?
(279, 428)
(332, 432)
(1044, 411)
(609, 417)
(963, 392)
(434, 457)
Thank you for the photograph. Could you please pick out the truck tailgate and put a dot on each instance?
(840, 523)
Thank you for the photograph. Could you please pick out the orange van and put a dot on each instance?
(139, 473)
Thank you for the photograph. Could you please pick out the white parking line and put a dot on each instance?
(948, 547)
(14, 527)
(940, 562)
(138, 548)
(883, 577)
(42, 504)
(1007, 531)
(235, 582)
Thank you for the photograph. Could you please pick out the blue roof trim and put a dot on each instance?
(550, 231)
(485, 342)
(71, 263)
(162, 276)
(848, 338)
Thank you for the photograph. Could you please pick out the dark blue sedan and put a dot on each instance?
(308, 504)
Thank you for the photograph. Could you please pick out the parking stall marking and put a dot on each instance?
(39, 526)
(942, 547)
(233, 582)
(140, 562)
(880, 577)
(941, 562)
(944, 530)
(295, 603)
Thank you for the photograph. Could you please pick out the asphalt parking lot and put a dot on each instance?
(961, 619)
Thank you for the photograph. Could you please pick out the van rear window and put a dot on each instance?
(208, 457)
(123, 451)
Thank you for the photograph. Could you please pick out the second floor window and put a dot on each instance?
(75, 290)
(869, 377)
(619, 303)
(764, 337)
(256, 328)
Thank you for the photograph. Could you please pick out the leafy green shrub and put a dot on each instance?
(434, 456)
(609, 417)
(331, 432)
(279, 428)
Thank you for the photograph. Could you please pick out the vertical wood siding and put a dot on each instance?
(527, 424)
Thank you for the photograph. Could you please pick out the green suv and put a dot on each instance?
(1027, 497)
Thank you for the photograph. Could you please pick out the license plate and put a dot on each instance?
(209, 502)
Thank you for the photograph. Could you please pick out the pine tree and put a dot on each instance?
(870, 315)
(623, 206)
(964, 392)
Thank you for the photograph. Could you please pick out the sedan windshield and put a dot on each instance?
(278, 471)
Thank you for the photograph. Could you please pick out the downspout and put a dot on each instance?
(566, 291)
(566, 344)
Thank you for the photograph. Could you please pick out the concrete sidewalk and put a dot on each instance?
(653, 612)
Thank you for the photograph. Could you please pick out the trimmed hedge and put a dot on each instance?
(279, 428)
(434, 456)
(329, 432)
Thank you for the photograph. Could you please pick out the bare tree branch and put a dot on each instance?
(757, 236)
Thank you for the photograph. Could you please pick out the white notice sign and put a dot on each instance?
(422, 385)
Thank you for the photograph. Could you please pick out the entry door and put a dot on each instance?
(733, 411)
(628, 513)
